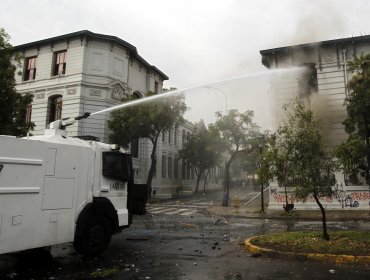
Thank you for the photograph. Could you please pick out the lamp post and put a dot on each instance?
(227, 164)
(261, 165)
(263, 170)
(223, 93)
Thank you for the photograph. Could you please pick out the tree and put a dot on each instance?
(264, 175)
(305, 164)
(202, 150)
(353, 152)
(13, 104)
(146, 120)
(237, 131)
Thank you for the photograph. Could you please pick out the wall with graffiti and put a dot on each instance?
(346, 198)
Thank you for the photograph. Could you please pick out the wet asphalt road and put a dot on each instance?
(181, 241)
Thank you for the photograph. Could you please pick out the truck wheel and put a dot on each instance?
(94, 236)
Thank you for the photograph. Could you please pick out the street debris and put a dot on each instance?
(104, 273)
(188, 225)
(215, 222)
(12, 275)
(137, 238)
(256, 255)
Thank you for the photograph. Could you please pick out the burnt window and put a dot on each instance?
(30, 68)
(307, 83)
(55, 108)
(60, 63)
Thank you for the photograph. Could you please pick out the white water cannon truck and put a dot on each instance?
(56, 189)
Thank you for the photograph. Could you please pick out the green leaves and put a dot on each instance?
(352, 153)
(146, 120)
(300, 159)
(13, 105)
(238, 132)
(351, 157)
(202, 149)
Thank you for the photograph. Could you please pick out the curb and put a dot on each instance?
(298, 217)
(337, 259)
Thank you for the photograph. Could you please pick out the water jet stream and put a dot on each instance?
(180, 91)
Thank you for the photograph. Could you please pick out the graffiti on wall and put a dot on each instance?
(346, 199)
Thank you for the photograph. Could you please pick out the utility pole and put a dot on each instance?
(261, 168)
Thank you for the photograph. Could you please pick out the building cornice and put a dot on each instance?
(342, 41)
(86, 33)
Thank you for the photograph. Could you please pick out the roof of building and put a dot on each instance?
(342, 41)
(82, 33)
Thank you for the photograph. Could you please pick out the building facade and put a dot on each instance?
(80, 72)
(318, 70)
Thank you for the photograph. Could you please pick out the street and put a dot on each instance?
(179, 239)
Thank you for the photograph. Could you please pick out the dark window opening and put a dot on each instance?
(307, 83)
(134, 149)
(155, 171)
(175, 135)
(60, 63)
(164, 167)
(169, 167)
(55, 108)
(156, 87)
(183, 138)
(183, 173)
(176, 168)
(136, 95)
(30, 68)
(28, 113)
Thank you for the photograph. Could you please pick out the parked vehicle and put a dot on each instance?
(56, 189)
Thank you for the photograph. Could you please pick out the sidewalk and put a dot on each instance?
(313, 215)
(237, 208)
(239, 197)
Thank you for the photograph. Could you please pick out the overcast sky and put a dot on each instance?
(194, 41)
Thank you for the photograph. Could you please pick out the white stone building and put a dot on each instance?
(80, 72)
(326, 76)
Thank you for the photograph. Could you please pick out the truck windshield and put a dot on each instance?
(117, 166)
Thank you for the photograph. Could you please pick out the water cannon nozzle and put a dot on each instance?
(84, 116)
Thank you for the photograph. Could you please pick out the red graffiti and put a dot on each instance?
(343, 198)
(280, 198)
(360, 196)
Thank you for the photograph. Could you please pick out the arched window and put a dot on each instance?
(136, 95)
(55, 108)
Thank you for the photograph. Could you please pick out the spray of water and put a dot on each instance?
(188, 89)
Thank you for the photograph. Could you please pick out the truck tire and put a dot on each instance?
(94, 236)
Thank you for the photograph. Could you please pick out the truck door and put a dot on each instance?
(118, 165)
